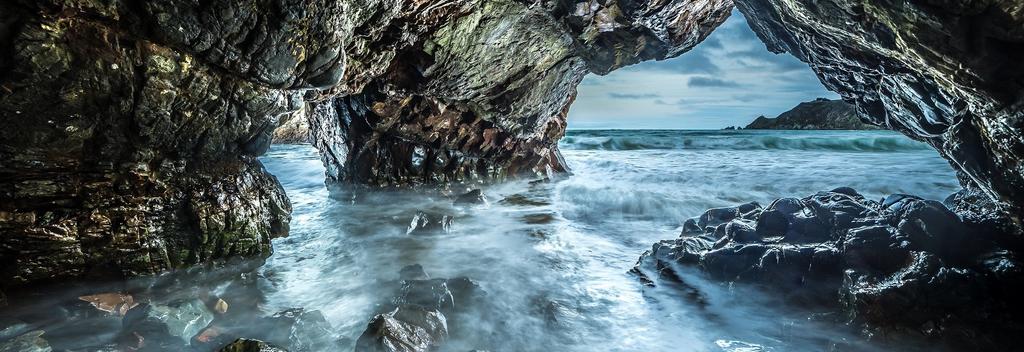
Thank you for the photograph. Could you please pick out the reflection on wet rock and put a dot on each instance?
(300, 330)
(428, 223)
(475, 196)
(409, 328)
(247, 345)
(904, 264)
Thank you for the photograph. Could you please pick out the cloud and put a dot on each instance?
(701, 81)
(763, 59)
(678, 102)
(632, 96)
(696, 61)
(746, 98)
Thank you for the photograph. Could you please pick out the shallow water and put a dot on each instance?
(552, 257)
(555, 269)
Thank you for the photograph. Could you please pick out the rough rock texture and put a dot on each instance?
(944, 72)
(820, 114)
(294, 130)
(899, 266)
(247, 345)
(131, 130)
(459, 91)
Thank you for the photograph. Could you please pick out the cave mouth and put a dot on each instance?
(133, 130)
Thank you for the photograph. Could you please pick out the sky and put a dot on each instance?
(727, 80)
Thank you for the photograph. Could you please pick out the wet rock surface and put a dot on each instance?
(406, 329)
(445, 100)
(943, 72)
(247, 345)
(422, 314)
(424, 223)
(901, 266)
(131, 135)
(205, 310)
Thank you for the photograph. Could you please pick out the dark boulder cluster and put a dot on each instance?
(422, 315)
(902, 265)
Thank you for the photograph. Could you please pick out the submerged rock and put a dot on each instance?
(904, 264)
(406, 329)
(475, 196)
(28, 342)
(168, 326)
(300, 330)
(445, 295)
(413, 272)
(247, 345)
(427, 223)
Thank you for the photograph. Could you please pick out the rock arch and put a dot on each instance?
(132, 127)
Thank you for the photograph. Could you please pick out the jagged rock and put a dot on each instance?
(427, 223)
(167, 326)
(28, 342)
(820, 114)
(481, 90)
(445, 295)
(247, 345)
(300, 330)
(294, 130)
(943, 72)
(475, 196)
(903, 264)
(406, 329)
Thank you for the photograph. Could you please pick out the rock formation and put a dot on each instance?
(901, 265)
(820, 114)
(943, 72)
(459, 91)
(132, 128)
(294, 130)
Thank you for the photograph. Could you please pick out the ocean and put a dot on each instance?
(553, 257)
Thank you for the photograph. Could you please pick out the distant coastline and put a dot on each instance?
(820, 114)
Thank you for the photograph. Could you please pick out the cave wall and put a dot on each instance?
(131, 130)
(944, 72)
(479, 90)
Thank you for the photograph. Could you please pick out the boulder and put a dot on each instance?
(247, 345)
(408, 328)
(475, 196)
(445, 295)
(904, 264)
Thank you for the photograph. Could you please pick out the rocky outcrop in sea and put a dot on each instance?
(820, 114)
(898, 267)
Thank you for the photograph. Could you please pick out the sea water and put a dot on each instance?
(553, 257)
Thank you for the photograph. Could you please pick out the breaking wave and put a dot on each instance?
(843, 141)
